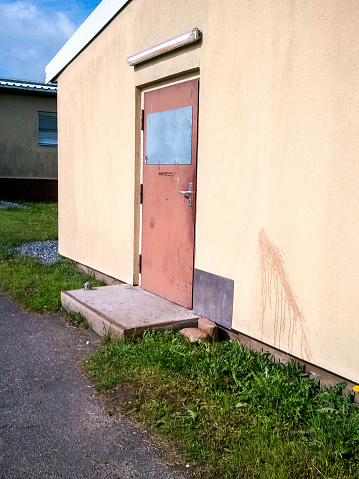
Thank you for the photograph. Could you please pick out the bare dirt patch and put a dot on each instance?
(117, 402)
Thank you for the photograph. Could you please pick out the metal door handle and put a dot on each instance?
(188, 194)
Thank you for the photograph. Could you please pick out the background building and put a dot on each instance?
(28, 141)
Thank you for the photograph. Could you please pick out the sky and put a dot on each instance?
(33, 31)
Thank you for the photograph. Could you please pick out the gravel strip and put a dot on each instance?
(46, 251)
(9, 204)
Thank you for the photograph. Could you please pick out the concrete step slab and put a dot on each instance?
(125, 310)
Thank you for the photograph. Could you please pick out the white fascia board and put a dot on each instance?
(98, 19)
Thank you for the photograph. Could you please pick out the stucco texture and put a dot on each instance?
(278, 174)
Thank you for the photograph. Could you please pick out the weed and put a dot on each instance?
(76, 319)
(106, 337)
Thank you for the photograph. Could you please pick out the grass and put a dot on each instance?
(34, 285)
(36, 222)
(232, 411)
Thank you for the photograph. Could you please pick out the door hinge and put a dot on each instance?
(141, 194)
(140, 263)
(142, 120)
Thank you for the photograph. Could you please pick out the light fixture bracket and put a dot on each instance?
(191, 36)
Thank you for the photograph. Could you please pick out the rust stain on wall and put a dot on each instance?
(277, 295)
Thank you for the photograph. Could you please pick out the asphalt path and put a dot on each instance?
(52, 424)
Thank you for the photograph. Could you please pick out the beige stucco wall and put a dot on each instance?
(20, 154)
(278, 174)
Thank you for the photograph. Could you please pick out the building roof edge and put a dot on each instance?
(13, 84)
(91, 27)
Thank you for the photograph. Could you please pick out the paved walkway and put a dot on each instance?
(51, 424)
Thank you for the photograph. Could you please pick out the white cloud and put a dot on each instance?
(29, 38)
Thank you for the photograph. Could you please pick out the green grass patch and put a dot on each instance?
(36, 222)
(35, 286)
(235, 412)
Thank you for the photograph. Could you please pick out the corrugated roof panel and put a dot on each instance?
(25, 85)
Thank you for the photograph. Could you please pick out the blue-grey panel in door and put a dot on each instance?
(169, 137)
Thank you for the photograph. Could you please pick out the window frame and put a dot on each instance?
(46, 137)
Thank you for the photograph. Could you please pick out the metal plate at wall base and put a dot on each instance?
(213, 297)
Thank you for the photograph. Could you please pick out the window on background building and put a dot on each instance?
(47, 129)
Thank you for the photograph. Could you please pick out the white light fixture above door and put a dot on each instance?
(180, 41)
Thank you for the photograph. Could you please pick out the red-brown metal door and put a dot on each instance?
(169, 173)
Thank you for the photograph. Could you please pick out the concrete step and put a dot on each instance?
(193, 334)
(125, 310)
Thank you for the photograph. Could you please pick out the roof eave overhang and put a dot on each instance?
(91, 27)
